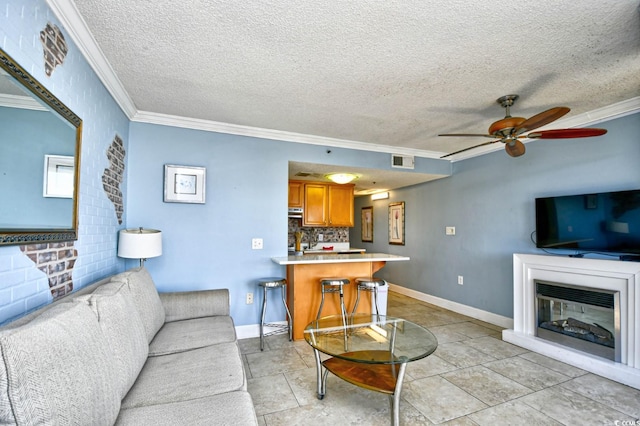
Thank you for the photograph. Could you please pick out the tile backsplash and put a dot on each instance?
(330, 235)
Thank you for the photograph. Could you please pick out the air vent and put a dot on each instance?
(402, 161)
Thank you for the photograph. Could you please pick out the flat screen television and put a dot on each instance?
(603, 222)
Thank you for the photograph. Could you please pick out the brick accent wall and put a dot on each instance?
(56, 260)
(112, 176)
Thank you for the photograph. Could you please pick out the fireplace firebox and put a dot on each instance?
(585, 319)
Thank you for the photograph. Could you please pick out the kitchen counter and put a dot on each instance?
(304, 273)
(337, 258)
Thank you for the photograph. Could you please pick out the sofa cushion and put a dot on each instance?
(195, 333)
(55, 370)
(145, 297)
(233, 408)
(183, 376)
(123, 329)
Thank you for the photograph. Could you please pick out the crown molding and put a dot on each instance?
(22, 102)
(280, 135)
(70, 18)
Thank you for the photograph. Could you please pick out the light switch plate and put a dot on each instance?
(450, 230)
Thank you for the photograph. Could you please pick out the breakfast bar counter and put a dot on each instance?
(303, 279)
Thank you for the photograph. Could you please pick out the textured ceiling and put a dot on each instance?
(390, 73)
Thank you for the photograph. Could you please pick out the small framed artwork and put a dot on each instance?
(58, 176)
(184, 184)
(367, 224)
(396, 223)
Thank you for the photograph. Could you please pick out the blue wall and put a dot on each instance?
(490, 201)
(209, 246)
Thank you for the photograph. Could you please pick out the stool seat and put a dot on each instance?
(266, 284)
(272, 282)
(334, 281)
(370, 284)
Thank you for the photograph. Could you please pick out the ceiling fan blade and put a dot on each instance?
(470, 148)
(540, 120)
(567, 133)
(468, 134)
(515, 148)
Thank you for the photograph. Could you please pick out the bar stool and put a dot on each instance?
(370, 284)
(335, 285)
(266, 284)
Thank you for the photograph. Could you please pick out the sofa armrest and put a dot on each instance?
(195, 304)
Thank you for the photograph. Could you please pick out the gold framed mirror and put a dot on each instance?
(35, 126)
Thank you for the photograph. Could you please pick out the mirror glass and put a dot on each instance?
(39, 160)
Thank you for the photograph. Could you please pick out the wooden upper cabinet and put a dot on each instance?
(315, 205)
(341, 205)
(328, 205)
(296, 193)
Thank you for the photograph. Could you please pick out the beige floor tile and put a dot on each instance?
(512, 413)
(495, 347)
(429, 366)
(532, 375)
(461, 355)
(271, 394)
(471, 330)
(572, 408)
(613, 394)
(444, 334)
(486, 385)
(440, 400)
(274, 361)
(552, 364)
(249, 345)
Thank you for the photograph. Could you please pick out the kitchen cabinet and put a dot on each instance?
(328, 205)
(296, 193)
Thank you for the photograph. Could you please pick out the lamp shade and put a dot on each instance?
(139, 243)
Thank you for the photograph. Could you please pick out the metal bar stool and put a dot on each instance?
(335, 285)
(370, 284)
(266, 284)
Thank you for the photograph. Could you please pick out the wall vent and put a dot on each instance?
(402, 161)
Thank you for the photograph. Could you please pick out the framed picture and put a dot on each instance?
(396, 223)
(367, 224)
(184, 184)
(58, 176)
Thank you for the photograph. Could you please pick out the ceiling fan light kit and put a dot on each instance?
(510, 130)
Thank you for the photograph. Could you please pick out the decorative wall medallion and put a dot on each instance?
(56, 260)
(112, 176)
(54, 46)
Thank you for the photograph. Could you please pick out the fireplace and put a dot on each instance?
(584, 319)
(584, 312)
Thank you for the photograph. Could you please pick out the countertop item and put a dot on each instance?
(334, 250)
(338, 258)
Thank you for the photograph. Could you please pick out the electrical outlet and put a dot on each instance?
(460, 280)
(450, 230)
(249, 298)
(320, 237)
(256, 244)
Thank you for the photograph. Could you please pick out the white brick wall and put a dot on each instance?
(22, 285)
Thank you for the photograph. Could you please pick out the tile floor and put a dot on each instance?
(473, 378)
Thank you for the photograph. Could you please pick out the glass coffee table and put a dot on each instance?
(374, 354)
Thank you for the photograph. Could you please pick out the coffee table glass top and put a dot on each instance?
(371, 339)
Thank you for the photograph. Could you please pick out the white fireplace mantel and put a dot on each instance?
(618, 276)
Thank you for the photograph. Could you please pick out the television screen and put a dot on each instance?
(603, 222)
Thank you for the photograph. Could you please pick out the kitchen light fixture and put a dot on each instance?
(341, 178)
(139, 243)
(380, 196)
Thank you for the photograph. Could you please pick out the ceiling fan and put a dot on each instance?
(510, 129)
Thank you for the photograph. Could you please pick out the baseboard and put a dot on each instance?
(253, 330)
(469, 311)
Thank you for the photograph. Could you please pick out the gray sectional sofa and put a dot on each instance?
(119, 352)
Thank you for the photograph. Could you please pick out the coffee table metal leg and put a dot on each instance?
(321, 382)
(395, 399)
